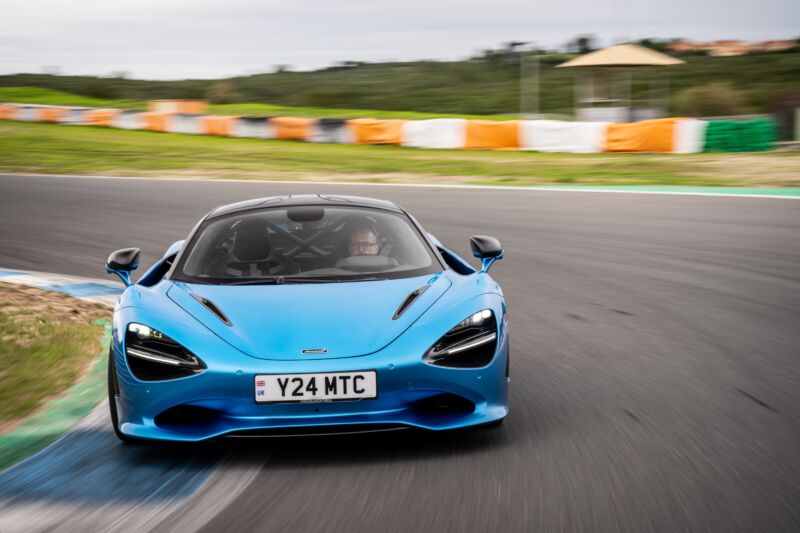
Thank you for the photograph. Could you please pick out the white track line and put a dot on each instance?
(419, 185)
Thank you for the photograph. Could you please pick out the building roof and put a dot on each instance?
(622, 55)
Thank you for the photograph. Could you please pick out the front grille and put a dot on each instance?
(318, 430)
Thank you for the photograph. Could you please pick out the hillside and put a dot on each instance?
(749, 84)
(39, 96)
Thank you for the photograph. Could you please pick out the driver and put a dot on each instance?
(363, 241)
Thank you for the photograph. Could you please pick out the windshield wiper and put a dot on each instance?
(277, 280)
(281, 280)
(292, 279)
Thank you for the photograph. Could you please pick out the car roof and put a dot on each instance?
(304, 199)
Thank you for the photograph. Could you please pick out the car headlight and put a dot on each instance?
(153, 356)
(470, 343)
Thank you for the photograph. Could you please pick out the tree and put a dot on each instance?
(222, 92)
(711, 99)
(582, 44)
(97, 88)
(659, 45)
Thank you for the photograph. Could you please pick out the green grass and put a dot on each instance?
(53, 148)
(40, 358)
(329, 112)
(36, 95)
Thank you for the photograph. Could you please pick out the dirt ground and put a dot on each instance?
(29, 304)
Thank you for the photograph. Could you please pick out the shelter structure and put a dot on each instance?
(603, 86)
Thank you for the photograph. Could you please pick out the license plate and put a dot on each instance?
(316, 387)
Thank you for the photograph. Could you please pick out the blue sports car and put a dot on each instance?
(305, 315)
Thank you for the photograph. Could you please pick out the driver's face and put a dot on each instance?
(363, 242)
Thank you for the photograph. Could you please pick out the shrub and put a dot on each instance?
(711, 99)
(222, 92)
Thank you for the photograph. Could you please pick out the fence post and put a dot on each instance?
(797, 124)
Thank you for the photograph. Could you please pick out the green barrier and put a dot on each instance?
(754, 135)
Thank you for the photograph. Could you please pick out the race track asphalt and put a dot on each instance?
(655, 373)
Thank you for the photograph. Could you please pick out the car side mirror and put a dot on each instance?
(122, 262)
(487, 249)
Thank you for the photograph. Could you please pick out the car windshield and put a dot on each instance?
(300, 244)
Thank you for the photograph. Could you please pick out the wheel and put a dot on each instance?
(113, 393)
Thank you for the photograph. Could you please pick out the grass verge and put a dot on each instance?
(52, 367)
(39, 96)
(59, 149)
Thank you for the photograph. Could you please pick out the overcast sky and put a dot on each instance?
(169, 39)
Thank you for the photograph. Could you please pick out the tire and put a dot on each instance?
(493, 424)
(112, 401)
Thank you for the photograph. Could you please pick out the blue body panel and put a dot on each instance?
(271, 324)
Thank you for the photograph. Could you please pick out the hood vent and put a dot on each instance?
(410, 299)
(208, 304)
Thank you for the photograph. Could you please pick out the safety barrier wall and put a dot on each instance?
(332, 130)
(740, 136)
(492, 135)
(28, 113)
(292, 128)
(185, 123)
(128, 120)
(155, 121)
(689, 136)
(187, 107)
(441, 133)
(52, 114)
(376, 131)
(8, 111)
(558, 136)
(646, 136)
(221, 125)
(101, 117)
(667, 135)
(74, 116)
(253, 127)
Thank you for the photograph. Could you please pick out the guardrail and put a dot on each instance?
(665, 135)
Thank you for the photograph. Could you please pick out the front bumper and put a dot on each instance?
(221, 400)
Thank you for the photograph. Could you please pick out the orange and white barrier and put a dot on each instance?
(493, 135)
(154, 121)
(74, 116)
(376, 131)
(253, 128)
(128, 120)
(8, 111)
(690, 136)
(28, 113)
(185, 123)
(100, 117)
(332, 130)
(437, 133)
(51, 114)
(292, 128)
(646, 136)
(187, 107)
(560, 136)
(666, 135)
(221, 125)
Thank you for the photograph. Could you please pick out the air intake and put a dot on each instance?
(208, 304)
(410, 299)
